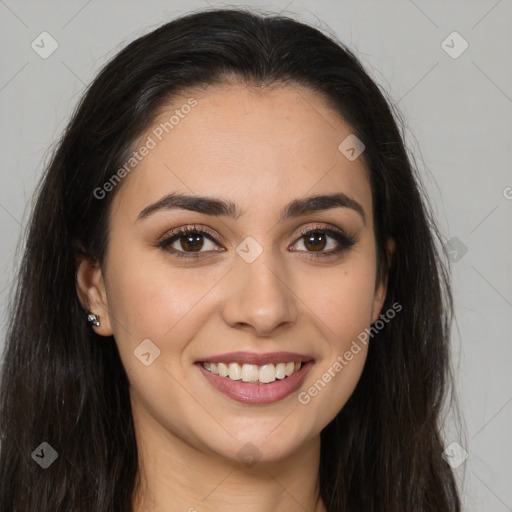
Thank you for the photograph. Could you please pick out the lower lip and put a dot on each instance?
(257, 393)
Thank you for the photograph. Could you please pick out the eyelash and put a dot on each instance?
(345, 241)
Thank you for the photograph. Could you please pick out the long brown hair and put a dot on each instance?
(63, 385)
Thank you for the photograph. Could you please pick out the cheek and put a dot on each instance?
(341, 300)
(149, 299)
(341, 317)
(341, 306)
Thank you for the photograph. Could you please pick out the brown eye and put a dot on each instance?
(315, 241)
(191, 242)
(323, 242)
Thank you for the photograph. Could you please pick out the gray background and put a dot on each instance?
(458, 113)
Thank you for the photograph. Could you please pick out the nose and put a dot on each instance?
(259, 298)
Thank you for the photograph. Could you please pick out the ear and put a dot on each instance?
(382, 286)
(91, 292)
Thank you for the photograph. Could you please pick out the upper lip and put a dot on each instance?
(257, 358)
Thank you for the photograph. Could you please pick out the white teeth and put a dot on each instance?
(267, 373)
(264, 374)
(280, 370)
(235, 372)
(223, 369)
(249, 372)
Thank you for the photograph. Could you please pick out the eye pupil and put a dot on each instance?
(194, 241)
(316, 240)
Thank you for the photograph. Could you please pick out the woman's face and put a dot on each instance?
(250, 288)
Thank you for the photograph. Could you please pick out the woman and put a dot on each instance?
(231, 294)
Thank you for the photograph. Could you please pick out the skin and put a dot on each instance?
(260, 149)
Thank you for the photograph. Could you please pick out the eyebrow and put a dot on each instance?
(219, 207)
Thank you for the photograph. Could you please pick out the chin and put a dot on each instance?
(263, 444)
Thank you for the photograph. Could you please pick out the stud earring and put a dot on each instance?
(93, 320)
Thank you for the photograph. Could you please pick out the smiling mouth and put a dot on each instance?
(252, 373)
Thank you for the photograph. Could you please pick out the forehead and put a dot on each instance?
(261, 147)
